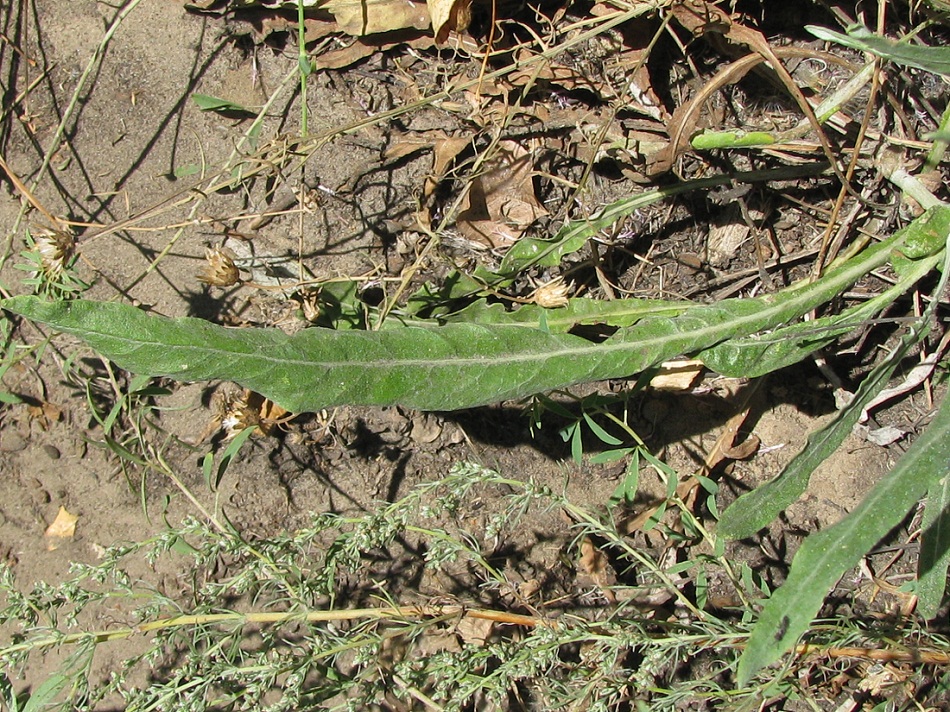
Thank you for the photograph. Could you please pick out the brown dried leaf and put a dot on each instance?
(593, 561)
(564, 76)
(363, 47)
(269, 413)
(475, 631)
(369, 17)
(446, 150)
(252, 410)
(63, 527)
(726, 235)
(405, 145)
(500, 204)
(345, 56)
(594, 564)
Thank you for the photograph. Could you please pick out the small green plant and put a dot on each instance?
(49, 260)
(274, 631)
(320, 654)
(452, 364)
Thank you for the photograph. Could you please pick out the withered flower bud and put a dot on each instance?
(239, 416)
(309, 301)
(219, 270)
(55, 248)
(553, 294)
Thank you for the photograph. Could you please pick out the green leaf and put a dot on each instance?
(579, 311)
(756, 509)
(548, 252)
(227, 457)
(213, 103)
(42, 698)
(189, 169)
(754, 356)
(709, 140)
(930, 59)
(445, 367)
(934, 559)
(600, 433)
(825, 556)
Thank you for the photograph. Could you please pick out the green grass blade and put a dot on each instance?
(824, 557)
(934, 559)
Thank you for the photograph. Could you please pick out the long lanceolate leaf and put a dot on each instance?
(757, 508)
(827, 555)
(934, 559)
(438, 368)
(548, 252)
(824, 556)
(931, 59)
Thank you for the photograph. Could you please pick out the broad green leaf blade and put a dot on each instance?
(825, 556)
(934, 559)
(436, 368)
(930, 59)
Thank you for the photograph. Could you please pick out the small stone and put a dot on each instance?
(52, 451)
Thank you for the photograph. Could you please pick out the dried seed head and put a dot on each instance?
(239, 416)
(56, 248)
(252, 410)
(553, 294)
(219, 270)
(309, 301)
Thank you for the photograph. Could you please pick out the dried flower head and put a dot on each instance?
(252, 410)
(553, 294)
(239, 416)
(220, 270)
(309, 301)
(55, 248)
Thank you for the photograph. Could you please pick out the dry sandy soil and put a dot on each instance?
(136, 139)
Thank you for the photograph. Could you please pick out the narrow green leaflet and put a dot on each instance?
(930, 59)
(709, 140)
(445, 367)
(213, 103)
(548, 252)
(826, 555)
(579, 311)
(934, 559)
